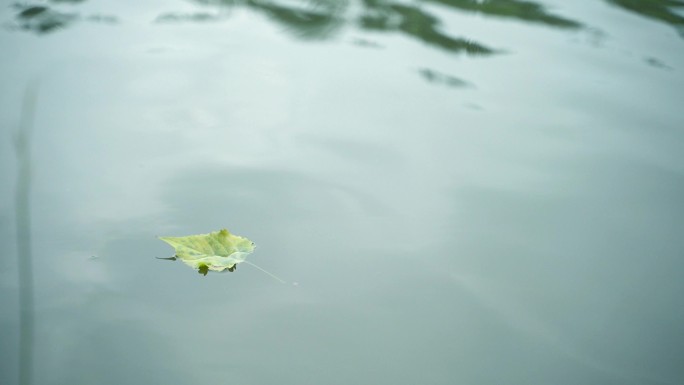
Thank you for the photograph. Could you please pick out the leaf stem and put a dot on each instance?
(271, 274)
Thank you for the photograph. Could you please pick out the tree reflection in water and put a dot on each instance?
(415, 23)
(42, 19)
(319, 19)
(661, 10)
(323, 19)
(511, 9)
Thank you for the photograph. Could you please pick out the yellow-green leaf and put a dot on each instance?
(215, 251)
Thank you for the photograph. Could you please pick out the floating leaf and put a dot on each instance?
(215, 251)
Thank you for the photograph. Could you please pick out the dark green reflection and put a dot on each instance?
(317, 19)
(662, 10)
(436, 77)
(41, 19)
(416, 23)
(181, 17)
(106, 19)
(320, 19)
(522, 10)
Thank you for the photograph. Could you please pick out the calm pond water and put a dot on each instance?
(455, 191)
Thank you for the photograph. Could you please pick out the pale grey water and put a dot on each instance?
(441, 216)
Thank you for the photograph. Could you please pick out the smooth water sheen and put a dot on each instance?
(456, 191)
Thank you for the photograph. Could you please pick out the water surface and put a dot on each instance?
(457, 192)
